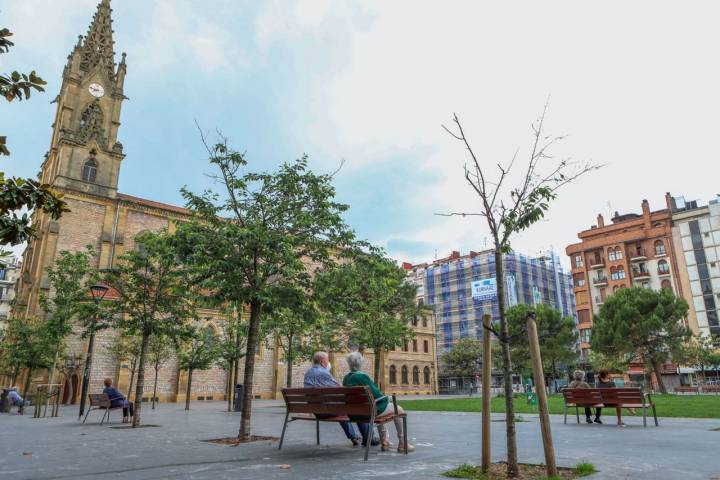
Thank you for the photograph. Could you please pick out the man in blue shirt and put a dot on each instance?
(117, 399)
(319, 376)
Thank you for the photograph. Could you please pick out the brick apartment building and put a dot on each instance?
(633, 250)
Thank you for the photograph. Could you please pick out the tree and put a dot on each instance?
(556, 334)
(640, 321)
(373, 293)
(159, 351)
(18, 193)
(198, 352)
(70, 277)
(609, 362)
(231, 348)
(28, 344)
(510, 210)
(463, 359)
(290, 322)
(251, 242)
(126, 348)
(155, 296)
(700, 352)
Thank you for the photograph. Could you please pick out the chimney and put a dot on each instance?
(646, 213)
(600, 221)
(670, 202)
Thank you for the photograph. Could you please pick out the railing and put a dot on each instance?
(638, 253)
(663, 271)
(639, 274)
(600, 281)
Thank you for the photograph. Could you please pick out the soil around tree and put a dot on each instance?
(235, 441)
(498, 471)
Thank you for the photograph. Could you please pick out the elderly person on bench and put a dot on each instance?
(579, 382)
(117, 399)
(357, 378)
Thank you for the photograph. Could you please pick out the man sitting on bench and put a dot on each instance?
(118, 400)
(319, 376)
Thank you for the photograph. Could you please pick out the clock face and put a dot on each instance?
(96, 90)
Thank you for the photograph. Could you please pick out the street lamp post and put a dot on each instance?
(98, 293)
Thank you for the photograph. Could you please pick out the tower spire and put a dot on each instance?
(97, 46)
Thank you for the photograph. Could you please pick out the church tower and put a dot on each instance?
(85, 154)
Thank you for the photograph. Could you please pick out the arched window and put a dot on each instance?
(611, 254)
(89, 172)
(663, 267)
(393, 375)
(404, 375)
(416, 376)
(617, 273)
(666, 285)
(659, 247)
(426, 376)
(618, 253)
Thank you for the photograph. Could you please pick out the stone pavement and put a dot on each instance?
(61, 448)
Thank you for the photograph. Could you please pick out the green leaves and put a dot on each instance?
(19, 85)
(18, 193)
(463, 359)
(199, 350)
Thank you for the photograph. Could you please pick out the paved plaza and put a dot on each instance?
(61, 448)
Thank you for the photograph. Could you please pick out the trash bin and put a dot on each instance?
(238, 404)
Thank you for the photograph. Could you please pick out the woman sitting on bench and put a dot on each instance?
(118, 400)
(357, 378)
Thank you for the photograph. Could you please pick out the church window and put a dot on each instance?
(404, 375)
(426, 375)
(393, 375)
(89, 172)
(416, 376)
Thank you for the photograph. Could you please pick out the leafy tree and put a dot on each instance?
(510, 210)
(155, 296)
(463, 359)
(18, 193)
(373, 293)
(250, 243)
(28, 344)
(198, 352)
(126, 348)
(609, 362)
(640, 321)
(290, 321)
(159, 351)
(556, 333)
(701, 352)
(231, 349)
(69, 305)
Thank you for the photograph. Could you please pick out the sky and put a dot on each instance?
(368, 84)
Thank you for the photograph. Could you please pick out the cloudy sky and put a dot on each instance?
(633, 84)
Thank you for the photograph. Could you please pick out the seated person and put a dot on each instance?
(117, 399)
(357, 378)
(319, 376)
(604, 381)
(579, 382)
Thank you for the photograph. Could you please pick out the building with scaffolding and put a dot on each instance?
(461, 288)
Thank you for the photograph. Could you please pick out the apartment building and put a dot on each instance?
(9, 272)
(634, 249)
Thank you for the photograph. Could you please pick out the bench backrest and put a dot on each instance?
(582, 396)
(99, 400)
(329, 401)
(620, 396)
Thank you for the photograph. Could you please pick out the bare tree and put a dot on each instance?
(508, 210)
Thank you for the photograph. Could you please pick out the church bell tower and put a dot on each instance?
(85, 154)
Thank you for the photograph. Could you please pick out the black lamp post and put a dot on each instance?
(98, 293)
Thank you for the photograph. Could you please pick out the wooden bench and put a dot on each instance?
(710, 388)
(101, 401)
(685, 389)
(336, 404)
(609, 397)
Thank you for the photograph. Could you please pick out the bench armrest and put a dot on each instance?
(380, 398)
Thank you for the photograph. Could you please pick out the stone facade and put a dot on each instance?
(83, 163)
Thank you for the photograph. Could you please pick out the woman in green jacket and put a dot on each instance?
(357, 378)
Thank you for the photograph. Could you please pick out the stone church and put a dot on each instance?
(84, 163)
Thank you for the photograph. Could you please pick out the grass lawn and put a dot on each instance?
(693, 406)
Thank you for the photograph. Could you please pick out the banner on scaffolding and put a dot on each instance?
(485, 289)
(511, 290)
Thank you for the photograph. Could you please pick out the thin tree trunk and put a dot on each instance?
(27, 383)
(189, 389)
(512, 457)
(140, 384)
(133, 369)
(658, 376)
(155, 387)
(230, 385)
(376, 366)
(51, 377)
(16, 372)
(252, 340)
(289, 360)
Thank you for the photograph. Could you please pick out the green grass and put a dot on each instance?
(466, 471)
(583, 469)
(473, 472)
(691, 406)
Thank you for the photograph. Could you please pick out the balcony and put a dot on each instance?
(600, 281)
(664, 272)
(638, 255)
(597, 262)
(638, 275)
